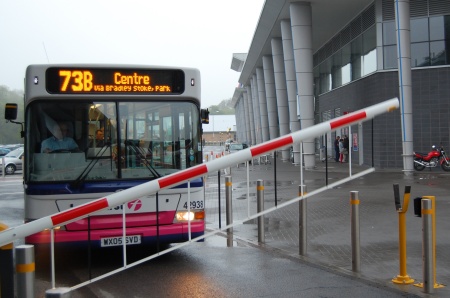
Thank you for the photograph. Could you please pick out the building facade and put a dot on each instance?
(313, 61)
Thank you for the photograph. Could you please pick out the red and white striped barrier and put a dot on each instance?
(215, 165)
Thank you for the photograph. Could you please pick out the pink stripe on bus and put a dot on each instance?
(348, 119)
(79, 211)
(183, 175)
(272, 145)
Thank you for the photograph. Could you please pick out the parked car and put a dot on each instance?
(227, 144)
(234, 147)
(13, 161)
(4, 151)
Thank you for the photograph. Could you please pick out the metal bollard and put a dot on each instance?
(432, 214)
(356, 256)
(58, 293)
(302, 220)
(260, 207)
(3, 166)
(427, 246)
(25, 268)
(229, 209)
(6, 268)
(403, 277)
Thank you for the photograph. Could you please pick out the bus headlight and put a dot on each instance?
(185, 216)
(193, 215)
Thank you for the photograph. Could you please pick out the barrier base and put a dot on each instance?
(436, 285)
(403, 279)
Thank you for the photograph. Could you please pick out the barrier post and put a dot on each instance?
(260, 207)
(403, 277)
(25, 268)
(356, 256)
(433, 223)
(427, 246)
(218, 193)
(302, 220)
(229, 209)
(6, 268)
(3, 166)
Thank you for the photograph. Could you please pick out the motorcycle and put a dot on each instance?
(431, 159)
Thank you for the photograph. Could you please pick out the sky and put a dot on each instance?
(197, 33)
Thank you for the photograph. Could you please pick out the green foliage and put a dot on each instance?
(223, 108)
(10, 132)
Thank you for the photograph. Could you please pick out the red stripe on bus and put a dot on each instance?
(79, 211)
(348, 119)
(183, 175)
(257, 150)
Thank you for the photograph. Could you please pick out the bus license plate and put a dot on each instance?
(116, 241)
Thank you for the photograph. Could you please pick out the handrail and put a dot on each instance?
(174, 179)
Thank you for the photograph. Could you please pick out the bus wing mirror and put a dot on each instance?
(204, 115)
(10, 111)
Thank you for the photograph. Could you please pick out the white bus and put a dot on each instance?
(92, 130)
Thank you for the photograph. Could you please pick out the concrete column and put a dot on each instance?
(269, 81)
(301, 24)
(262, 104)
(256, 113)
(242, 131)
(240, 125)
(281, 92)
(244, 114)
(236, 116)
(402, 20)
(247, 118)
(291, 83)
(251, 115)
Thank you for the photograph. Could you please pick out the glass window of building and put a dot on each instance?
(437, 29)
(419, 30)
(316, 81)
(356, 58)
(438, 54)
(420, 54)
(369, 50)
(389, 37)
(336, 66)
(346, 60)
(325, 76)
(390, 57)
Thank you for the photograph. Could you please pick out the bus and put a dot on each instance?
(92, 130)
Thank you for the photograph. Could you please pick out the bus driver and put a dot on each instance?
(60, 140)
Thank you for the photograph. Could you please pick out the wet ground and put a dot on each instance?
(329, 220)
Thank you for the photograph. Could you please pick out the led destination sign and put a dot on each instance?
(102, 80)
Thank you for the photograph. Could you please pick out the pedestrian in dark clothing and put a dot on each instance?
(346, 148)
(336, 148)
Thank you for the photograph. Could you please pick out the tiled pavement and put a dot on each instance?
(328, 216)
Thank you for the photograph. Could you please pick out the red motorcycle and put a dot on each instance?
(431, 159)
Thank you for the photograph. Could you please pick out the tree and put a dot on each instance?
(10, 132)
(223, 108)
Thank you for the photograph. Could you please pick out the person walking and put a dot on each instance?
(341, 150)
(346, 148)
(336, 148)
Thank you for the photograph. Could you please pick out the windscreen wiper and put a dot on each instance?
(141, 154)
(82, 177)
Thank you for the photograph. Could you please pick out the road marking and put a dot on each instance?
(11, 193)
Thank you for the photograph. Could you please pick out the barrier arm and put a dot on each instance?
(174, 179)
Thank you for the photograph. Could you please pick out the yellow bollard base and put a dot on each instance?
(436, 285)
(403, 279)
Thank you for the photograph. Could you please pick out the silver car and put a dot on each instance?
(13, 161)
